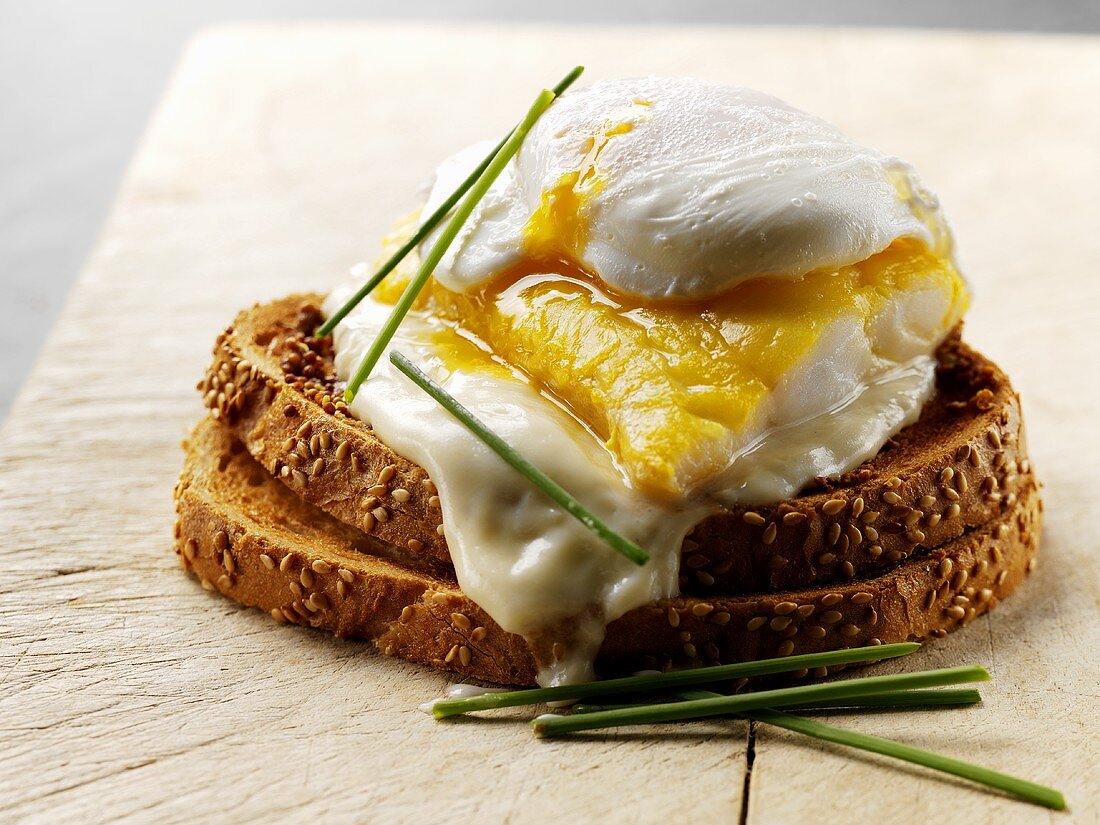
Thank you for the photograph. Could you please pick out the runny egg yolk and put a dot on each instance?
(558, 228)
(673, 387)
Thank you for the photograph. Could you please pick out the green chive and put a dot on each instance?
(1030, 791)
(442, 708)
(894, 699)
(431, 260)
(525, 468)
(887, 747)
(552, 725)
(901, 699)
(429, 224)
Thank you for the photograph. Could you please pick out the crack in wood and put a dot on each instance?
(750, 758)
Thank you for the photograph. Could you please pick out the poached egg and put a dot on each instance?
(678, 296)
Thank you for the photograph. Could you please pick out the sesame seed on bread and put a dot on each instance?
(260, 542)
(961, 466)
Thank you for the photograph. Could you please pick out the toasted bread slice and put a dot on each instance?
(257, 541)
(961, 466)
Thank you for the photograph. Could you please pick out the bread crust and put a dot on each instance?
(261, 543)
(962, 465)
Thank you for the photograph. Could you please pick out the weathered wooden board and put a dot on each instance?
(278, 156)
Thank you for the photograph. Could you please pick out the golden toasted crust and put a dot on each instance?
(273, 386)
(258, 542)
(963, 464)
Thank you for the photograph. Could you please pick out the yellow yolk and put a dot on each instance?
(394, 284)
(558, 228)
(670, 387)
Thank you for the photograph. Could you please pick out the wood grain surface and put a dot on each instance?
(280, 153)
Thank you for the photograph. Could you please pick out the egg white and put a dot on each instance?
(711, 185)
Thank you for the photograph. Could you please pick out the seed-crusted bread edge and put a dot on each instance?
(256, 541)
(273, 385)
(963, 464)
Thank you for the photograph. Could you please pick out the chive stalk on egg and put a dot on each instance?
(430, 223)
(443, 243)
(552, 725)
(443, 708)
(524, 467)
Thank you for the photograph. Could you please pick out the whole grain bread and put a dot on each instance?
(263, 544)
(962, 465)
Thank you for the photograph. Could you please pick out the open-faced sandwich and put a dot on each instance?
(671, 377)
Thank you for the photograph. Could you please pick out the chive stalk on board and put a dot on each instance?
(895, 699)
(1022, 788)
(553, 725)
(443, 708)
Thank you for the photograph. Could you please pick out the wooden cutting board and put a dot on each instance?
(279, 155)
